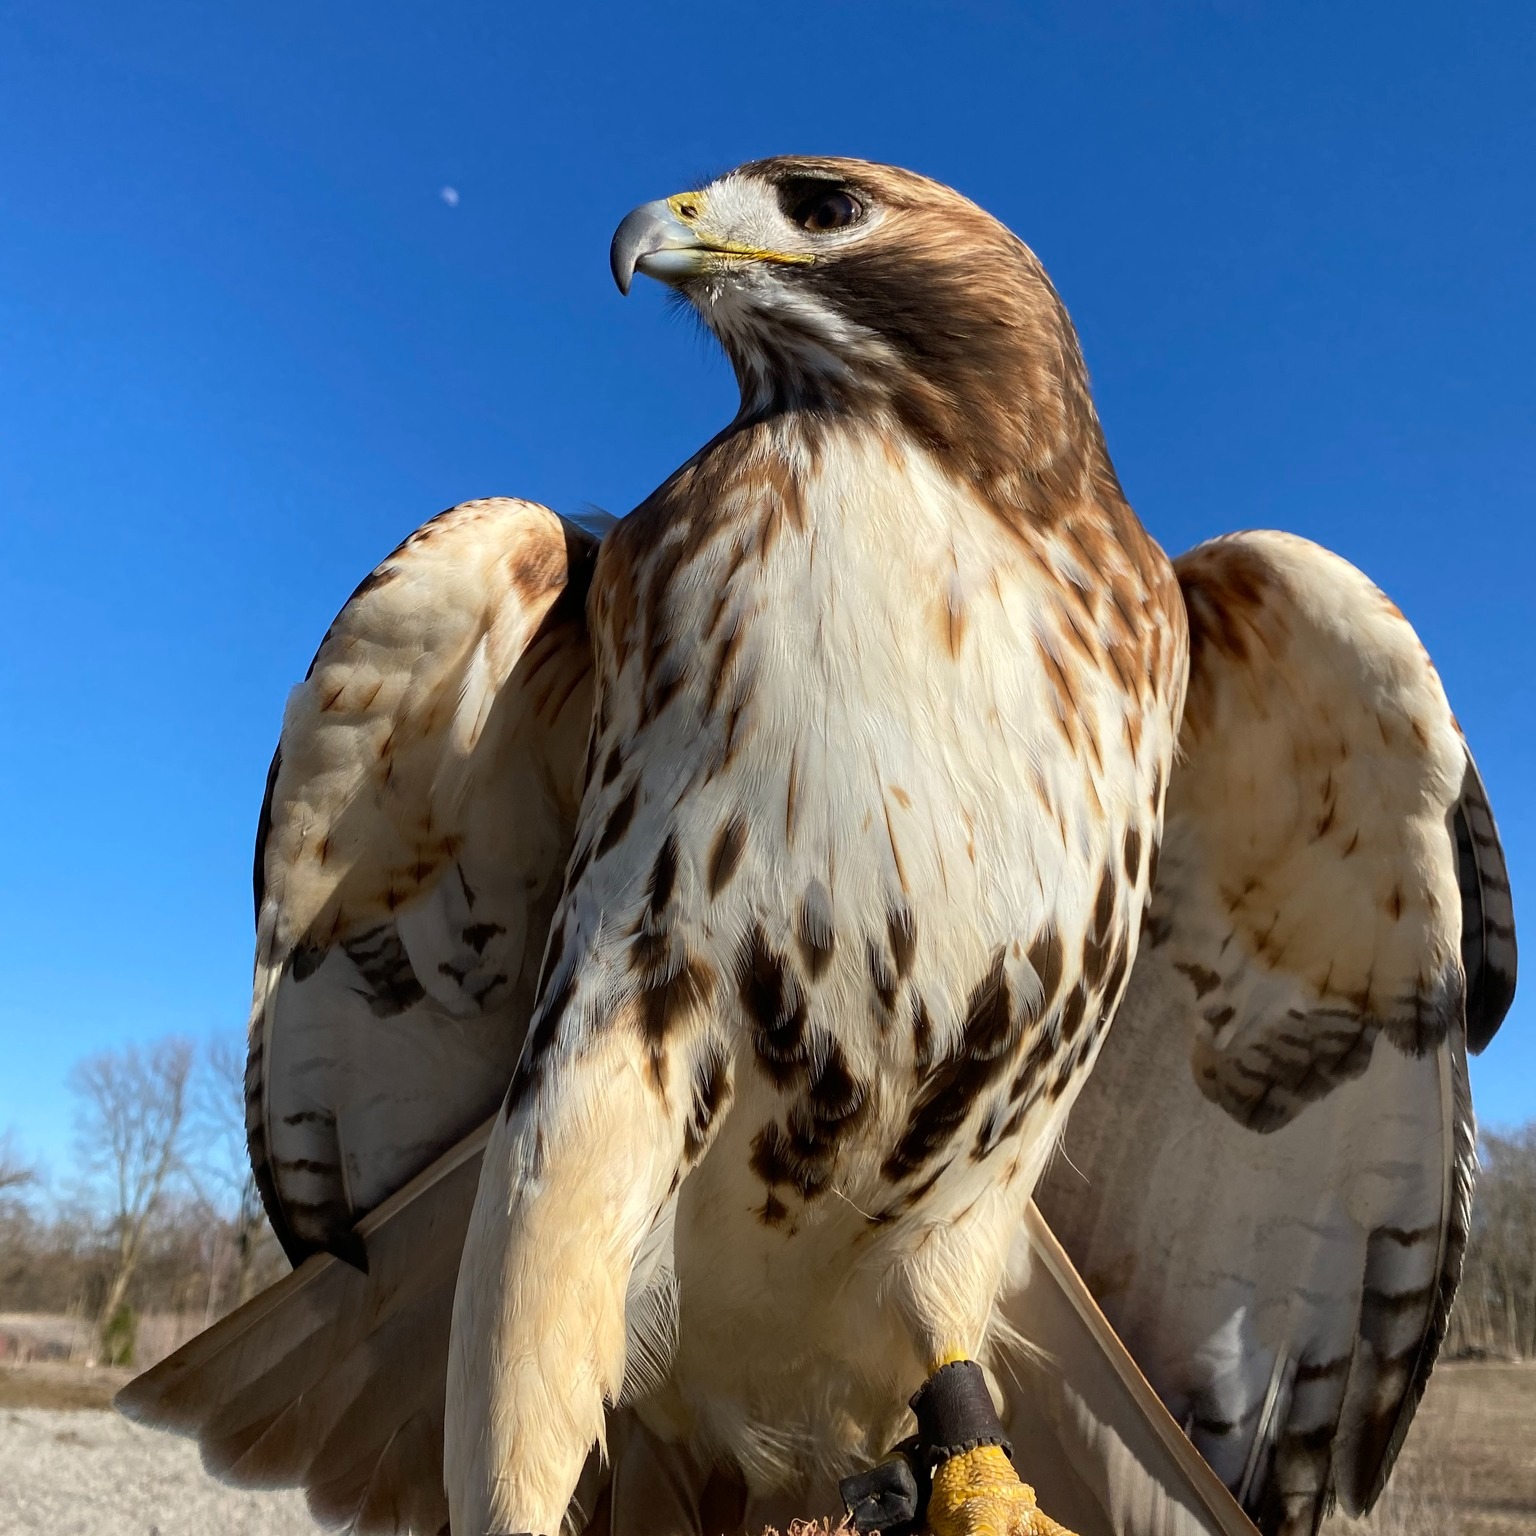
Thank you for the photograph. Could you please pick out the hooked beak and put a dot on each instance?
(655, 241)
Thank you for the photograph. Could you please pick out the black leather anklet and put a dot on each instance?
(954, 1415)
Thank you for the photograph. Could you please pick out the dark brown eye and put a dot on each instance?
(828, 211)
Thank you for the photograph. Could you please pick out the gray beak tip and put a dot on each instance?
(646, 237)
(631, 240)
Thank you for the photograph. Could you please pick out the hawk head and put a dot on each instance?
(843, 286)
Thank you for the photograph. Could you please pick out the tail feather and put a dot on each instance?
(398, 1489)
(1102, 1450)
(349, 1460)
(334, 1380)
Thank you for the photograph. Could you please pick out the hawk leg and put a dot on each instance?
(957, 1476)
(576, 1173)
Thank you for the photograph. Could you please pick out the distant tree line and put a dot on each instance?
(1496, 1309)
(159, 1216)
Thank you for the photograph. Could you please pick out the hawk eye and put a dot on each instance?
(827, 211)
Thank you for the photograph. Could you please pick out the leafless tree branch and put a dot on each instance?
(131, 1118)
(15, 1171)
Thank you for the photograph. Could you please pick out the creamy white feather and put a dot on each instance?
(418, 817)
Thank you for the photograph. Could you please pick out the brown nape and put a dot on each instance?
(988, 375)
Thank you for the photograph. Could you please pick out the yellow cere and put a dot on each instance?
(689, 208)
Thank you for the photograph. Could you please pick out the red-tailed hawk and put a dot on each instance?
(678, 956)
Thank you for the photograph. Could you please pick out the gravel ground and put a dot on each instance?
(1469, 1468)
(66, 1473)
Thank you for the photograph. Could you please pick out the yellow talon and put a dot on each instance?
(979, 1494)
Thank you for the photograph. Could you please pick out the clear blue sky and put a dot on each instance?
(246, 343)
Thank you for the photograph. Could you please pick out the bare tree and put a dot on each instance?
(131, 1118)
(15, 1171)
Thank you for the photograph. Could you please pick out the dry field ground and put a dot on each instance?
(1469, 1468)
(67, 1468)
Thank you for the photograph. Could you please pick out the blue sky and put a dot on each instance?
(246, 344)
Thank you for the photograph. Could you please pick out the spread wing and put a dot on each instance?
(418, 819)
(447, 710)
(1266, 1182)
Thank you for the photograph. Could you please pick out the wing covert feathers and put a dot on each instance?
(1267, 1180)
(418, 818)
(1306, 878)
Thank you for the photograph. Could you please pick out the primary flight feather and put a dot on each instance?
(852, 745)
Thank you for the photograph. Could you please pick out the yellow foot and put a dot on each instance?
(979, 1494)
